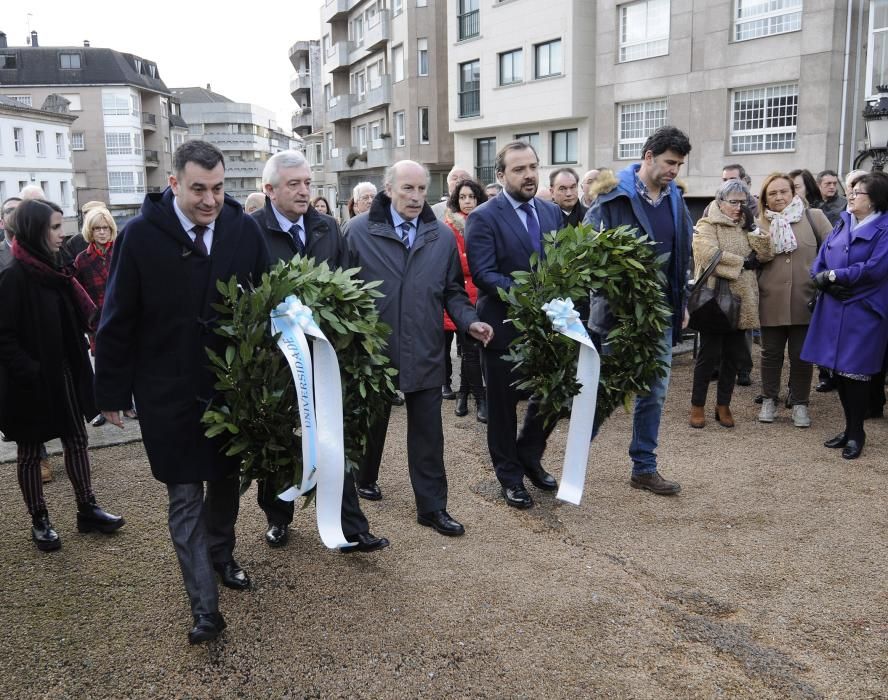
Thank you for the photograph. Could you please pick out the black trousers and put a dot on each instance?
(855, 396)
(510, 454)
(280, 512)
(425, 449)
(731, 353)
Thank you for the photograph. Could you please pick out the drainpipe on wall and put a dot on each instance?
(840, 167)
(857, 101)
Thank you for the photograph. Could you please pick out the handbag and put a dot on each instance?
(713, 310)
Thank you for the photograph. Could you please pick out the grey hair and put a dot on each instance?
(729, 186)
(271, 174)
(392, 172)
(362, 186)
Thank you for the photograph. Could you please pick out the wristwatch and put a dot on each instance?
(831, 276)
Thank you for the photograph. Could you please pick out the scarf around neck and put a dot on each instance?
(782, 237)
(62, 278)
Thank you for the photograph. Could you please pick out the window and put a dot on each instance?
(22, 185)
(468, 19)
(398, 62)
(125, 181)
(638, 120)
(877, 55)
(66, 192)
(60, 145)
(21, 99)
(564, 146)
(485, 156)
(41, 142)
(69, 60)
(357, 30)
(137, 144)
(18, 136)
(533, 139)
(397, 7)
(326, 46)
(77, 143)
(164, 110)
(178, 139)
(548, 59)
(757, 18)
(118, 143)
(470, 89)
(44, 185)
(764, 119)
(136, 104)
(511, 67)
(422, 56)
(359, 85)
(422, 3)
(7, 61)
(74, 100)
(115, 105)
(644, 30)
(400, 129)
(423, 124)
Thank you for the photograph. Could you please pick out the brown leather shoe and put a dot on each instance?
(45, 471)
(655, 483)
(697, 419)
(724, 417)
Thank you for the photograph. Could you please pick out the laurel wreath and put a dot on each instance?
(257, 405)
(617, 265)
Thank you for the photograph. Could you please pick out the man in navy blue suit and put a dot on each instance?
(501, 236)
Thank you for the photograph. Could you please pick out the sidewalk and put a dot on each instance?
(98, 437)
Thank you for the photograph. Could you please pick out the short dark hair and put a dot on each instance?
(823, 173)
(739, 168)
(667, 138)
(500, 162)
(555, 173)
(30, 224)
(477, 190)
(204, 154)
(7, 201)
(876, 184)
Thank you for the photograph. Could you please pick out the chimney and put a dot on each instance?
(86, 42)
(34, 39)
(2, 40)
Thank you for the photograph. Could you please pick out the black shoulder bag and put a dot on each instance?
(713, 310)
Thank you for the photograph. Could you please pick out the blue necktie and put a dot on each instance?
(295, 229)
(405, 234)
(533, 226)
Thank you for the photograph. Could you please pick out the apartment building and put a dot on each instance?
(247, 135)
(35, 149)
(384, 89)
(122, 140)
(774, 86)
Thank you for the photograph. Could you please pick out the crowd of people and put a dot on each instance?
(807, 268)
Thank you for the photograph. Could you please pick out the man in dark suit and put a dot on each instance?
(501, 235)
(292, 227)
(157, 320)
(564, 184)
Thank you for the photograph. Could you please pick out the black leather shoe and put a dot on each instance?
(442, 522)
(232, 575)
(481, 411)
(838, 441)
(540, 478)
(206, 628)
(744, 379)
(655, 483)
(91, 517)
(825, 386)
(462, 405)
(517, 496)
(370, 492)
(98, 421)
(397, 399)
(365, 542)
(277, 535)
(43, 534)
(852, 449)
(447, 392)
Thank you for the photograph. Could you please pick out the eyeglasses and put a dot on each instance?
(734, 202)
(856, 193)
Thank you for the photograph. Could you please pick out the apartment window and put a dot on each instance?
(136, 104)
(7, 61)
(3, 191)
(69, 60)
(118, 143)
(423, 124)
(547, 58)
(122, 181)
(60, 145)
(564, 146)
(137, 144)
(77, 143)
(21, 99)
(73, 100)
(318, 154)
(397, 7)
(178, 139)
(18, 136)
(485, 157)
(470, 89)
(764, 119)
(65, 191)
(533, 139)
(400, 129)
(164, 110)
(757, 18)
(115, 105)
(644, 29)
(44, 185)
(357, 31)
(422, 56)
(359, 84)
(398, 62)
(326, 46)
(41, 142)
(468, 19)
(511, 67)
(877, 55)
(22, 185)
(422, 3)
(637, 121)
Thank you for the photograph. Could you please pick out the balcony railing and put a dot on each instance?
(336, 57)
(470, 103)
(485, 173)
(151, 157)
(380, 32)
(302, 121)
(300, 82)
(380, 93)
(149, 121)
(339, 108)
(469, 25)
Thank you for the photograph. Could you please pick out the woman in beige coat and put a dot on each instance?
(728, 226)
(785, 288)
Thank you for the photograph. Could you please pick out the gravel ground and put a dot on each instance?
(765, 578)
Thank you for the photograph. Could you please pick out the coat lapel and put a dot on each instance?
(225, 237)
(514, 225)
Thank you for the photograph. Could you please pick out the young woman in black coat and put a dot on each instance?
(45, 374)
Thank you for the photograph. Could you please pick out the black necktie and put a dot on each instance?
(295, 230)
(199, 242)
(533, 226)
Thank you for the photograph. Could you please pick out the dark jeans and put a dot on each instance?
(775, 340)
(855, 397)
(731, 353)
(470, 379)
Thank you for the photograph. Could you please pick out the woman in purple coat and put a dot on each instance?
(849, 328)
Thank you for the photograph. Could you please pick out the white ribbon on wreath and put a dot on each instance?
(566, 321)
(320, 412)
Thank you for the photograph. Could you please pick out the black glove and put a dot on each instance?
(821, 280)
(839, 291)
(751, 262)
